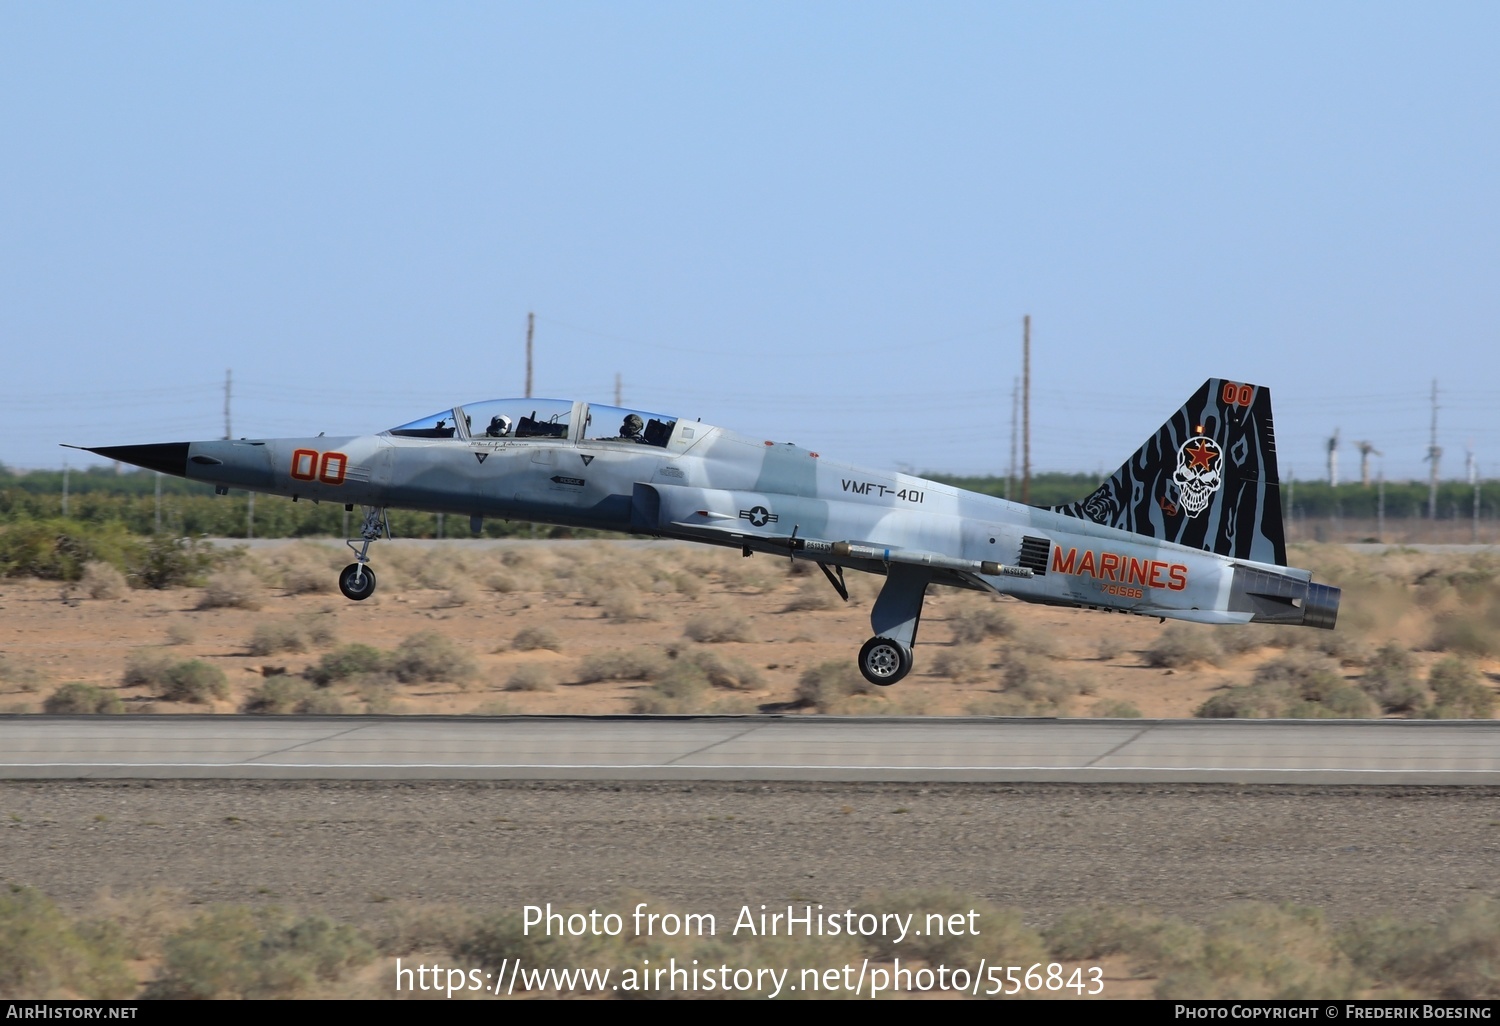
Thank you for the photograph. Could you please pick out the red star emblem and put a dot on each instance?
(1201, 454)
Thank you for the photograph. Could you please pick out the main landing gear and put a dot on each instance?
(886, 658)
(357, 580)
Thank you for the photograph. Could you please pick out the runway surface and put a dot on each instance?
(757, 748)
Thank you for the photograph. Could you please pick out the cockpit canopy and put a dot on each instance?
(542, 419)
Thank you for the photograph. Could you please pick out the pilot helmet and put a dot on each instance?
(633, 424)
(499, 426)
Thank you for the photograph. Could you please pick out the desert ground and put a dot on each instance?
(566, 627)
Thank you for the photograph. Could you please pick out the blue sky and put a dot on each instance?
(818, 223)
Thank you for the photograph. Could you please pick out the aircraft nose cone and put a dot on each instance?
(167, 457)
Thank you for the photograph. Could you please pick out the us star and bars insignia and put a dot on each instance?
(758, 516)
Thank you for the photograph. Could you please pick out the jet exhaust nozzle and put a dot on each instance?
(1321, 607)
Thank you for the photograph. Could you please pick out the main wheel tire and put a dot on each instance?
(884, 662)
(357, 582)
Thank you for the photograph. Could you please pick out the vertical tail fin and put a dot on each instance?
(1206, 479)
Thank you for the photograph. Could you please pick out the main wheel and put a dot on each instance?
(357, 582)
(884, 661)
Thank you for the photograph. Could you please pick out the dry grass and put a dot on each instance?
(1401, 602)
(1184, 646)
(272, 637)
(1244, 951)
(428, 657)
(236, 588)
(641, 664)
(532, 677)
(103, 581)
(962, 664)
(80, 698)
(975, 625)
(529, 639)
(811, 595)
(716, 627)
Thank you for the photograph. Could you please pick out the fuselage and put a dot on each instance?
(701, 483)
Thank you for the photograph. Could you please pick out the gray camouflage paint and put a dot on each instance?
(1125, 547)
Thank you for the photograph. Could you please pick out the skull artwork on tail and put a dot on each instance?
(1199, 473)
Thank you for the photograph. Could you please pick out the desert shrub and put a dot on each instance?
(1391, 681)
(461, 592)
(971, 626)
(305, 569)
(1341, 703)
(1115, 709)
(1261, 952)
(194, 681)
(59, 550)
(622, 604)
(79, 697)
(828, 686)
(712, 628)
(1037, 681)
(20, 676)
(102, 581)
(236, 953)
(377, 691)
(43, 955)
(322, 630)
(278, 695)
(174, 563)
(235, 588)
(1344, 646)
(428, 656)
(1239, 639)
(1459, 692)
(1313, 687)
(641, 664)
(1093, 932)
(532, 677)
(529, 639)
(323, 703)
(348, 661)
(1457, 957)
(181, 634)
(722, 672)
(1003, 936)
(1471, 632)
(811, 595)
(488, 941)
(678, 689)
(273, 636)
(1109, 648)
(1253, 702)
(1182, 646)
(147, 667)
(962, 664)
(687, 585)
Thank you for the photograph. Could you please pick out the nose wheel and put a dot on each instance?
(357, 582)
(884, 662)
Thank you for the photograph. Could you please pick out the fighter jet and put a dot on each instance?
(1189, 528)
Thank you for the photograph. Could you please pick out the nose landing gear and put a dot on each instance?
(357, 580)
